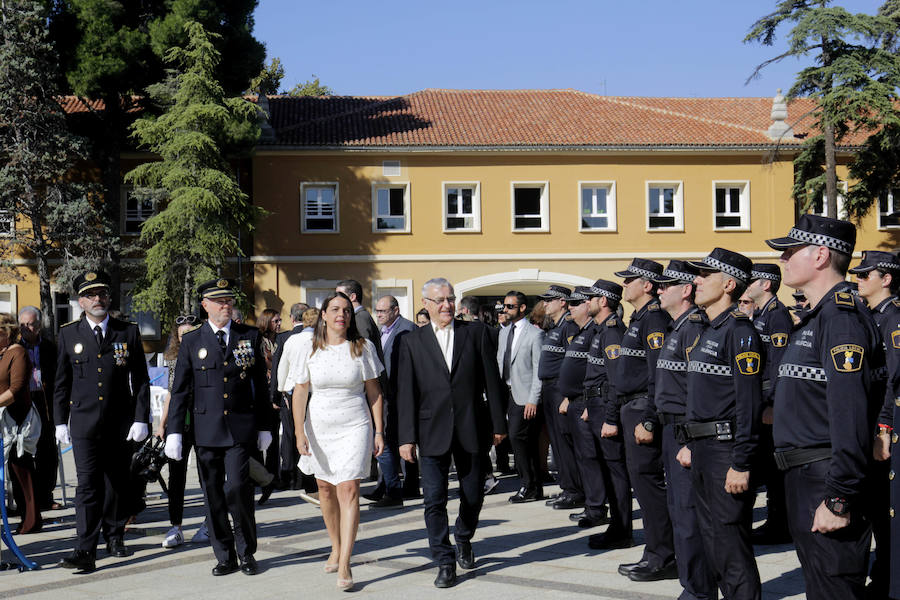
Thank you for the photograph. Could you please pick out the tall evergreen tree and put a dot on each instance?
(854, 83)
(190, 239)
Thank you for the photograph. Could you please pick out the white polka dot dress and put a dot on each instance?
(338, 421)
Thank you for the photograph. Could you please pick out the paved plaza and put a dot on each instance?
(522, 551)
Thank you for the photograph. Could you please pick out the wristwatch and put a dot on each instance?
(838, 506)
(649, 425)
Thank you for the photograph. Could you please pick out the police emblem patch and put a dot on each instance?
(90, 276)
(847, 358)
(201, 353)
(748, 363)
(779, 340)
(222, 283)
(78, 349)
(895, 338)
(612, 351)
(655, 340)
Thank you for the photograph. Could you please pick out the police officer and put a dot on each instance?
(823, 406)
(724, 404)
(635, 386)
(773, 323)
(221, 362)
(552, 353)
(102, 401)
(676, 297)
(571, 387)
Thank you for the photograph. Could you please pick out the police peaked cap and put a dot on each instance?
(582, 293)
(814, 230)
(728, 262)
(91, 280)
(765, 271)
(217, 288)
(678, 271)
(608, 289)
(875, 259)
(641, 267)
(556, 291)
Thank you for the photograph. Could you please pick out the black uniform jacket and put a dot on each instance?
(101, 391)
(641, 345)
(434, 404)
(671, 366)
(773, 324)
(554, 347)
(574, 364)
(601, 364)
(230, 395)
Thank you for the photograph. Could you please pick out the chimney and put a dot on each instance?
(267, 133)
(779, 130)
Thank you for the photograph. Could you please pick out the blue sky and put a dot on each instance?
(623, 48)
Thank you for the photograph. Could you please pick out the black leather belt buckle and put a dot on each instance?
(723, 431)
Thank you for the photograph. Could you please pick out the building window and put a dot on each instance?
(7, 224)
(390, 207)
(598, 206)
(818, 205)
(664, 206)
(319, 207)
(65, 308)
(314, 292)
(731, 204)
(390, 168)
(401, 289)
(136, 211)
(462, 207)
(530, 206)
(889, 209)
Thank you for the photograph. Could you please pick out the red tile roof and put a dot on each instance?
(75, 105)
(526, 118)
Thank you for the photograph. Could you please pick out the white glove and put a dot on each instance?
(263, 439)
(173, 446)
(62, 434)
(138, 432)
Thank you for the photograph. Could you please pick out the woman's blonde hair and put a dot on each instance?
(310, 316)
(10, 325)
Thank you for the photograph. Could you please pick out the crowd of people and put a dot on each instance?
(710, 390)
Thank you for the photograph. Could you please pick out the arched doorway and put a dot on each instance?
(530, 282)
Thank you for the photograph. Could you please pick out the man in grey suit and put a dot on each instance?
(518, 357)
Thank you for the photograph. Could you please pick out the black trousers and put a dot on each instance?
(178, 478)
(523, 436)
(561, 440)
(589, 459)
(102, 468)
(46, 456)
(228, 490)
(878, 507)
(435, 471)
(725, 521)
(767, 472)
(289, 454)
(834, 564)
(694, 573)
(617, 482)
(645, 467)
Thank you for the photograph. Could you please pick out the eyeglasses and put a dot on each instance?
(745, 301)
(186, 320)
(102, 294)
(511, 306)
(439, 301)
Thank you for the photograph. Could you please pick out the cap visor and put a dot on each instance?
(662, 279)
(701, 266)
(860, 269)
(625, 274)
(784, 242)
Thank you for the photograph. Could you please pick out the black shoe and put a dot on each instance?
(411, 494)
(769, 534)
(568, 503)
(607, 541)
(578, 516)
(553, 498)
(526, 495)
(588, 522)
(79, 560)
(373, 497)
(116, 547)
(266, 492)
(647, 573)
(387, 502)
(446, 576)
(248, 565)
(464, 555)
(626, 568)
(225, 568)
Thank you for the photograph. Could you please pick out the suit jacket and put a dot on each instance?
(47, 357)
(391, 357)
(230, 395)
(523, 369)
(369, 330)
(101, 390)
(436, 404)
(277, 397)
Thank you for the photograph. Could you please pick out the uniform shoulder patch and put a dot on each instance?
(613, 351)
(192, 329)
(748, 363)
(655, 340)
(896, 302)
(653, 307)
(847, 358)
(736, 314)
(612, 322)
(895, 338)
(844, 299)
(695, 317)
(779, 340)
(70, 323)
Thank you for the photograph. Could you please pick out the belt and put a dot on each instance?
(629, 397)
(595, 391)
(578, 398)
(800, 456)
(670, 418)
(721, 430)
(549, 379)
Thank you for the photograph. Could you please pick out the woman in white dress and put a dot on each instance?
(334, 429)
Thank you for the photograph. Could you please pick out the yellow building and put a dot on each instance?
(501, 190)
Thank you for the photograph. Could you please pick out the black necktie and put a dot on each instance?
(98, 333)
(507, 358)
(221, 335)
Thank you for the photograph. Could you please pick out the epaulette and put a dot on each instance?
(653, 307)
(611, 322)
(194, 328)
(896, 302)
(695, 317)
(736, 314)
(568, 318)
(844, 300)
(70, 323)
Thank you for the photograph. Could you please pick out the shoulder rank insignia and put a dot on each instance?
(847, 358)
(779, 340)
(895, 338)
(70, 323)
(569, 339)
(611, 323)
(655, 340)
(896, 302)
(194, 328)
(653, 307)
(844, 299)
(695, 317)
(613, 351)
(747, 363)
(738, 314)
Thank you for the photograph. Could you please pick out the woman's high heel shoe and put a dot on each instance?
(331, 568)
(345, 585)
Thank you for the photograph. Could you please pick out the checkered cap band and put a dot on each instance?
(764, 275)
(718, 265)
(552, 293)
(632, 352)
(578, 296)
(671, 365)
(607, 293)
(695, 366)
(554, 349)
(641, 272)
(680, 276)
(802, 372)
(576, 354)
(888, 266)
(820, 239)
(596, 360)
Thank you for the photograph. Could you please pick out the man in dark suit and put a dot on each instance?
(102, 400)
(364, 322)
(444, 369)
(220, 366)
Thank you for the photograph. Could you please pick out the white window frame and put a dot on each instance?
(475, 186)
(124, 192)
(382, 284)
(391, 168)
(72, 305)
(406, 205)
(310, 286)
(337, 206)
(841, 202)
(13, 291)
(545, 205)
(678, 207)
(744, 210)
(10, 217)
(893, 200)
(144, 319)
(610, 206)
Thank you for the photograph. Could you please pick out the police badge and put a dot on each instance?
(655, 340)
(612, 351)
(78, 348)
(847, 358)
(747, 363)
(779, 340)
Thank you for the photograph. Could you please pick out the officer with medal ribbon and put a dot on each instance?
(221, 366)
(828, 381)
(102, 401)
(724, 404)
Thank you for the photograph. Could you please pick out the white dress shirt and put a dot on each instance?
(445, 342)
(226, 329)
(104, 324)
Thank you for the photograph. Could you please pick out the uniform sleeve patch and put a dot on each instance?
(655, 340)
(748, 363)
(847, 358)
(613, 351)
(895, 338)
(779, 340)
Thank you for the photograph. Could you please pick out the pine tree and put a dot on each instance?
(190, 239)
